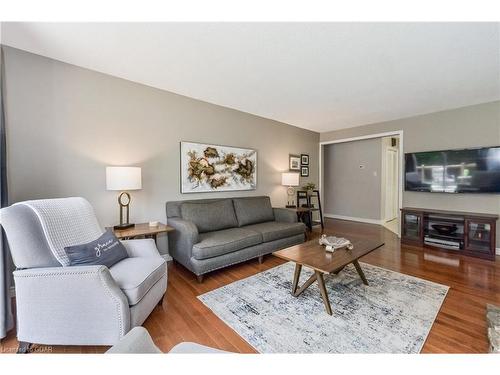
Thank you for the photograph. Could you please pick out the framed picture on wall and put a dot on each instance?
(304, 159)
(210, 168)
(304, 171)
(294, 162)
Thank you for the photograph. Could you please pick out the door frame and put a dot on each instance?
(398, 133)
(384, 161)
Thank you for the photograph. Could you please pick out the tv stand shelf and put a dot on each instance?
(467, 233)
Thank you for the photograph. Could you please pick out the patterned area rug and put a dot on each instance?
(394, 314)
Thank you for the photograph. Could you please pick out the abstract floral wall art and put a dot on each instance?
(209, 168)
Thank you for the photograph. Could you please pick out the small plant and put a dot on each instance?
(309, 187)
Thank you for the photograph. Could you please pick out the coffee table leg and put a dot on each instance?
(306, 285)
(296, 276)
(360, 272)
(324, 294)
(338, 271)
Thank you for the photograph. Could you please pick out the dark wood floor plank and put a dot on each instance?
(460, 326)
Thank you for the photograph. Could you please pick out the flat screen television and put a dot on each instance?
(454, 171)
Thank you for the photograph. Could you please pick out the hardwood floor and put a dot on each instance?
(460, 326)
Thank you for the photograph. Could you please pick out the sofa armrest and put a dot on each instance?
(182, 239)
(80, 305)
(141, 248)
(285, 215)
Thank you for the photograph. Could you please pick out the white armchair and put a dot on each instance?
(138, 341)
(83, 305)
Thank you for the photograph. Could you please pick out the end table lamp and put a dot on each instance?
(123, 179)
(290, 180)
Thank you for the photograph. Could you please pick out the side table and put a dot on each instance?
(142, 230)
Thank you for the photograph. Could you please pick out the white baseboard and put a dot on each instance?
(358, 219)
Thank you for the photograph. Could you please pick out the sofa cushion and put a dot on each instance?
(210, 216)
(253, 210)
(274, 230)
(135, 276)
(213, 244)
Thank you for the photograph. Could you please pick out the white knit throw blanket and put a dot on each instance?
(65, 222)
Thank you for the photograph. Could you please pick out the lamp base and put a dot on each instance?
(123, 226)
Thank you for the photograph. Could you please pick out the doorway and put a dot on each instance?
(389, 183)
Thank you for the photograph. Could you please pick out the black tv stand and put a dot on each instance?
(466, 233)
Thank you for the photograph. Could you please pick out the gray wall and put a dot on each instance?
(472, 126)
(65, 124)
(348, 189)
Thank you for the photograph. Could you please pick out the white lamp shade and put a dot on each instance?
(290, 179)
(123, 178)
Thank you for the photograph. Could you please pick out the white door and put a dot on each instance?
(391, 184)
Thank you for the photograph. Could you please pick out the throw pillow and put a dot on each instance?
(107, 250)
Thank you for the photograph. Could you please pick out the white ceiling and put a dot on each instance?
(319, 76)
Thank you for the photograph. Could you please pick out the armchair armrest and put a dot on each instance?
(79, 305)
(285, 215)
(141, 248)
(182, 239)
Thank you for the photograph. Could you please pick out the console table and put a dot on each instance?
(467, 233)
(305, 196)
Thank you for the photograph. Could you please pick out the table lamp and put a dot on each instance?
(290, 180)
(123, 179)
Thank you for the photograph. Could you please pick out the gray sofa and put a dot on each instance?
(215, 233)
